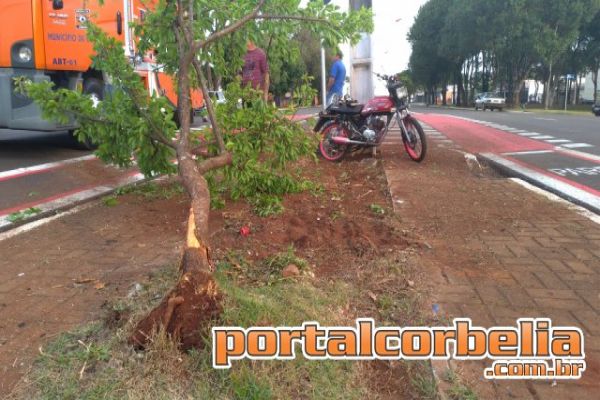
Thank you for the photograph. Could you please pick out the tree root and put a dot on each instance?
(189, 309)
(186, 312)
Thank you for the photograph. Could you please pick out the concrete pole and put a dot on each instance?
(566, 92)
(323, 78)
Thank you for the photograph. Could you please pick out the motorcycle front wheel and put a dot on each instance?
(414, 139)
(329, 150)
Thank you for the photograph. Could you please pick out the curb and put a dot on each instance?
(546, 182)
(56, 206)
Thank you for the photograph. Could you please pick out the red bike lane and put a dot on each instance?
(570, 174)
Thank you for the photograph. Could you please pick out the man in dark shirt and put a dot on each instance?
(255, 71)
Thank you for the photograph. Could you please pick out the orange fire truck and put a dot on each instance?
(46, 40)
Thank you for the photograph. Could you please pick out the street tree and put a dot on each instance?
(559, 25)
(130, 126)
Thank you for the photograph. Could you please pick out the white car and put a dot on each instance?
(490, 101)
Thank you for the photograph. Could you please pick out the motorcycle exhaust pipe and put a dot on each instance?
(346, 141)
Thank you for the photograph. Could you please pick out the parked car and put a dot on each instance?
(490, 101)
(596, 110)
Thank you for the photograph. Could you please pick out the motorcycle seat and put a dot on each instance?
(347, 109)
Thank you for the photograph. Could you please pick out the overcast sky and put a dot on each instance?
(393, 19)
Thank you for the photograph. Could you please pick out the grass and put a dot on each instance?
(95, 362)
(23, 214)
(153, 190)
(457, 390)
(539, 108)
(377, 209)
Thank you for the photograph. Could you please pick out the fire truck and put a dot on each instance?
(45, 40)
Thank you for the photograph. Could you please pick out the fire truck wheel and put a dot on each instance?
(95, 89)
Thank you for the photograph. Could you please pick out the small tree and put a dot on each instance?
(130, 125)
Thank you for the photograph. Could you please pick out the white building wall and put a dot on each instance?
(385, 51)
(588, 88)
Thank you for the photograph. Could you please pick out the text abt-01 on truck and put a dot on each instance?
(45, 40)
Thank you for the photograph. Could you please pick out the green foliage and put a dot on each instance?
(131, 126)
(273, 35)
(263, 142)
(110, 201)
(489, 45)
(23, 214)
(377, 209)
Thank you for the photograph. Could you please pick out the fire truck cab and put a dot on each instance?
(46, 40)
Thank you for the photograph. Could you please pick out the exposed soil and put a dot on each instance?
(103, 250)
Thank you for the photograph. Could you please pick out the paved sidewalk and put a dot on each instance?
(500, 252)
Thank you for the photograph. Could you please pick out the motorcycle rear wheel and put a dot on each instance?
(414, 140)
(327, 148)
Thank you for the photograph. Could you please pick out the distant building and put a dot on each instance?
(383, 51)
(587, 91)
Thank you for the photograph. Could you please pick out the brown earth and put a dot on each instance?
(74, 265)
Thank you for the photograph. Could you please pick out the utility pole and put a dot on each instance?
(323, 78)
(323, 71)
(568, 77)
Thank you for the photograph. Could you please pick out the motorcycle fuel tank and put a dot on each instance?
(378, 104)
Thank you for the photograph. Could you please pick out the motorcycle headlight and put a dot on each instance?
(402, 92)
(24, 54)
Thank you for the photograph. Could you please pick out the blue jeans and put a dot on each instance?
(330, 95)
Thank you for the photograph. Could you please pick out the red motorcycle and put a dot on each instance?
(347, 126)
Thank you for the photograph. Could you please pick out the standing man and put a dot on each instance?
(256, 69)
(337, 76)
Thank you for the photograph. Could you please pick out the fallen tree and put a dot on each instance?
(129, 126)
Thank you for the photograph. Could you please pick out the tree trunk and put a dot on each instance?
(517, 94)
(577, 88)
(444, 91)
(190, 308)
(547, 88)
(595, 80)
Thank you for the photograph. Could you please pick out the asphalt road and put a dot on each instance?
(583, 129)
(20, 149)
(557, 152)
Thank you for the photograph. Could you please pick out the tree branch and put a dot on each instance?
(215, 162)
(229, 28)
(209, 107)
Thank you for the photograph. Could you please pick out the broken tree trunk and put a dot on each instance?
(190, 308)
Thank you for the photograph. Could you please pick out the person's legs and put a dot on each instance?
(328, 99)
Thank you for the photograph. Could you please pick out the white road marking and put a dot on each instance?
(558, 141)
(545, 119)
(576, 145)
(579, 154)
(11, 174)
(528, 134)
(522, 153)
(542, 137)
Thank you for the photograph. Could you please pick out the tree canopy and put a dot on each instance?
(496, 45)
(245, 152)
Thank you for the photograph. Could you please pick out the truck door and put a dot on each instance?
(66, 44)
